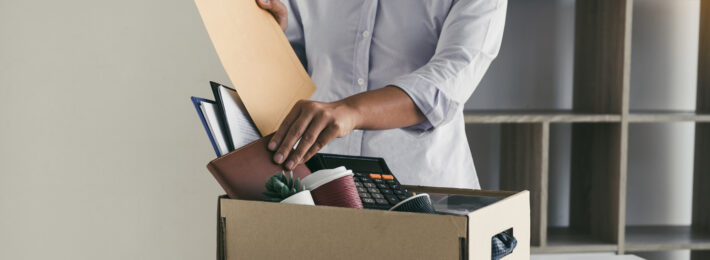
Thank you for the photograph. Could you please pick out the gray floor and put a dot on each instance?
(591, 256)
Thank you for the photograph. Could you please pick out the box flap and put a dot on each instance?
(442, 190)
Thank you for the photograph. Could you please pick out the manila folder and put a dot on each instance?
(258, 59)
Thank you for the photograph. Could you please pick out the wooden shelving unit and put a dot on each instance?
(667, 116)
(660, 238)
(484, 117)
(600, 121)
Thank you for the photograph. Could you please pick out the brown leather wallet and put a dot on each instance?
(243, 173)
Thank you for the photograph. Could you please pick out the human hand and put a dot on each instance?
(277, 9)
(316, 124)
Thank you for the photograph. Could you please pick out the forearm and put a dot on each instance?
(385, 108)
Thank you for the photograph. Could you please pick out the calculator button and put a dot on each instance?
(358, 184)
(364, 195)
(382, 201)
(378, 181)
(378, 196)
(368, 200)
(361, 189)
(366, 180)
(375, 176)
(399, 192)
(396, 187)
(382, 186)
(386, 191)
(369, 185)
(373, 190)
(357, 174)
(392, 199)
(390, 182)
(402, 197)
(387, 177)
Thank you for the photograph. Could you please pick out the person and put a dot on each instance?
(392, 78)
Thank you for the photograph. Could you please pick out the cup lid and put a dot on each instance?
(318, 178)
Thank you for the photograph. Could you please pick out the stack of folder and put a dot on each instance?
(225, 120)
(268, 80)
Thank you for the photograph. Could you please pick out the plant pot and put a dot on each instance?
(302, 198)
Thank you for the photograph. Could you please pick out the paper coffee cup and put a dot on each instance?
(333, 187)
(302, 198)
(318, 178)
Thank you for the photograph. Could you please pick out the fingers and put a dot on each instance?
(320, 121)
(277, 9)
(285, 125)
(315, 124)
(324, 138)
(294, 133)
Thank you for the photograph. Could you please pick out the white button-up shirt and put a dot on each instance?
(437, 51)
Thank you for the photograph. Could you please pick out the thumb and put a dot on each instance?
(265, 4)
(278, 10)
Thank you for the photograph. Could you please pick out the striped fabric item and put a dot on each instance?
(502, 245)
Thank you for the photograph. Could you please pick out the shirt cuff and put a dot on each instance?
(431, 101)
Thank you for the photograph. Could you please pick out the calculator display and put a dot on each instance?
(361, 164)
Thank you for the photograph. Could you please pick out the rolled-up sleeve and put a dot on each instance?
(469, 41)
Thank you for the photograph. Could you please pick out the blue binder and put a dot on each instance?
(196, 101)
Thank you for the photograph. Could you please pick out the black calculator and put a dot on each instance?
(377, 186)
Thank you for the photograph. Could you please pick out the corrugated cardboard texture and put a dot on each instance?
(257, 58)
(260, 230)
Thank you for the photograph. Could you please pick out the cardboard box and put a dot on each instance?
(265, 230)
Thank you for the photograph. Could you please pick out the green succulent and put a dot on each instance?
(280, 186)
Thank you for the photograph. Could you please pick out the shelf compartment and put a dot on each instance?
(664, 238)
(667, 116)
(701, 183)
(598, 180)
(532, 116)
(524, 166)
(567, 240)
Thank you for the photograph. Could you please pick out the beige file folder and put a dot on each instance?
(258, 59)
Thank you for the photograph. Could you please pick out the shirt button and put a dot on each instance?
(365, 34)
(361, 81)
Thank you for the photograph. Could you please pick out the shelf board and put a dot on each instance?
(534, 116)
(565, 240)
(662, 238)
(667, 116)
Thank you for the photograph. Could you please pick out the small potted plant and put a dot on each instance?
(286, 189)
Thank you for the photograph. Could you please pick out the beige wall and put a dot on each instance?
(101, 152)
